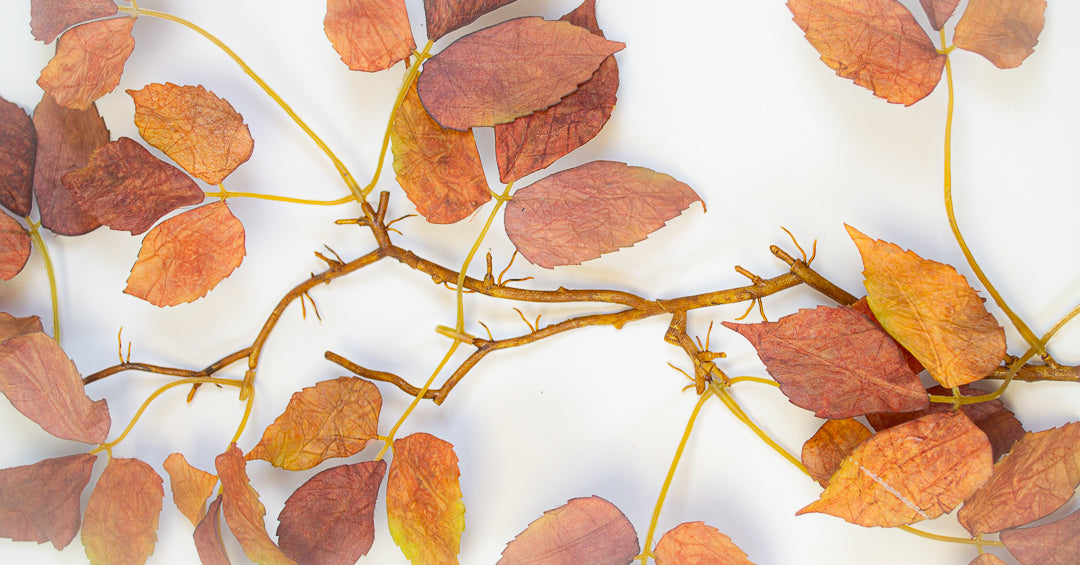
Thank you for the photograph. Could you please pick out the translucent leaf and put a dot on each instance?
(1056, 543)
(987, 559)
(18, 149)
(1003, 31)
(122, 514)
(939, 11)
(49, 18)
(88, 62)
(191, 487)
(424, 510)
(243, 511)
(584, 530)
(827, 448)
(696, 542)
(41, 502)
(10, 326)
(14, 247)
(370, 35)
(66, 139)
(207, 536)
(444, 16)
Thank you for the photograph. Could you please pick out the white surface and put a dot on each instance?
(725, 96)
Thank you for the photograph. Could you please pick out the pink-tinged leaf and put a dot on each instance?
(509, 70)
(191, 487)
(243, 511)
(424, 510)
(695, 542)
(207, 536)
(330, 519)
(14, 247)
(88, 62)
(863, 307)
(988, 559)
(41, 502)
(599, 207)
(49, 18)
(584, 530)
(827, 448)
(444, 16)
(370, 35)
(18, 149)
(1056, 543)
(939, 11)
(42, 383)
(10, 326)
(122, 514)
(66, 138)
(1003, 31)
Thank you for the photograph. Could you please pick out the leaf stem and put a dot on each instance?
(729, 401)
(226, 194)
(39, 243)
(979, 542)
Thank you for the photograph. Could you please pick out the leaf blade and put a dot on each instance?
(1003, 31)
(14, 247)
(370, 35)
(424, 510)
(41, 502)
(696, 542)
(122, 514)
(18, 151)
(190, 487)
(243, 511)
(88, 62)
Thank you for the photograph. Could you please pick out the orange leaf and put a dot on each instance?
(195, 128)
(836, 362)
(863, 308)
(876, 43)
(827, 448)
(424, 510)
(509, 70)
(14, 247)
(334, 418)
(243, 511)
(42, 383)
(1036, 478)
(370, 35)
(584, 530)
(10, 326)
(65, 140)
(49, 18)
(988, 559)
(41, 502)
(207, 536)
(932, 311)
(915, 471)
(187, 255)
(1003, 31)
(1056, 543)
(18, 147)
(190, 487)
(696, 542)
(88, 62)
(439, 168)
(939, 11)
(330, 519)
(444, 16)
(580, 213)
(122, 514)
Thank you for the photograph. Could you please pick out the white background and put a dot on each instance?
(725, 96)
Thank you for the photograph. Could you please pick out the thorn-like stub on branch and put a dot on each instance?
(782, 255)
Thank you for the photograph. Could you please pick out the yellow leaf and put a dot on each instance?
(424, 510)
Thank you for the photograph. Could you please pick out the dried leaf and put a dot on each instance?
(863, 307)
(696, 542)
(10, 326)
(835, 362)
(207, 536)
(42, 383)
(827, 448)
(915, 471)
(424, 510)
(370, 35)
(14, 247)
(439, 168)
(18, 148)
(987, 559)
(330, 519)
(41, 502)
(66, 138)
(88, 62)
(932, 311)
(243, 511)
(533, 142)
(1056, 543)
(1003, 31)
(195, 128)
(187, 255)
(584, 530)
(1036, 478)
(49, 18)
(444, 16)
(122, 514)
(128, 189)
(191, 487)
(939, 11)
(509, 70)
(580, 213)
(876, 43)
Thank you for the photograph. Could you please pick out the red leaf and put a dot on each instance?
(88, 62)
(49, 18)
(696, 542)
(243, 511)
(14, 247)
(122, 514)
(584, 530)
(444, 16)
(580, 213)
(863, 307)
(827, 448)
(1056, 543)
(370, 35)
(939, 11)
(424, 510)
(40, 502)
(988, 559)
(10, 326)
(1003, 31)
(18, 148)
(66, 138)
(190, 487)
(208, 536)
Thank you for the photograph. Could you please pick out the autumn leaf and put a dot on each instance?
(827, 448)
(190, 487)
(939, 11)
(243, 511)
(370, 35)
(580, 213)
(10, 326)
(195, 128)
(1056, 543)
(49, 18)
(439, 168)
(1036, 478)
(932, 311)
(14, 247)
(41, 502)
(187, 255)
(987, 559)
(122, 514)
(584, 530)
(207, 536)
(915, 471)
(66, 138)
(1003, 31)
(444, 16)
(18, 148)
(509, 70)
(696, 542)
(863, 308)
(330, 519)
(424, 510)
(835, 362)
(88, 62)
(128, 189)
(876, 43)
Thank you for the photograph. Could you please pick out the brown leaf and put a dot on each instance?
(370, 35)
(1056, 543)
(580, 213)
(122, 514)
(195, 128)
(509, 70)
(190, 487)
(696, 542)
(444, 16)
(915, 471)
(932, 311)
(49, 18)
(939, 11)
(424, 510)
(584, 530)
(835, 362)
(1003, 31)
(18, 148)
(207, 536)
(439, 168)
(1036, 478)
(330, 519)
(863, 307)
(88, 62)
(41, 502)
(128, 189)
(827, 448)
(42, 383)
(876, 43)
(533, 142)
(987, 559)
(66, 138)
(243, 511)
(14, 247)
(10, 326)
(187, 255)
